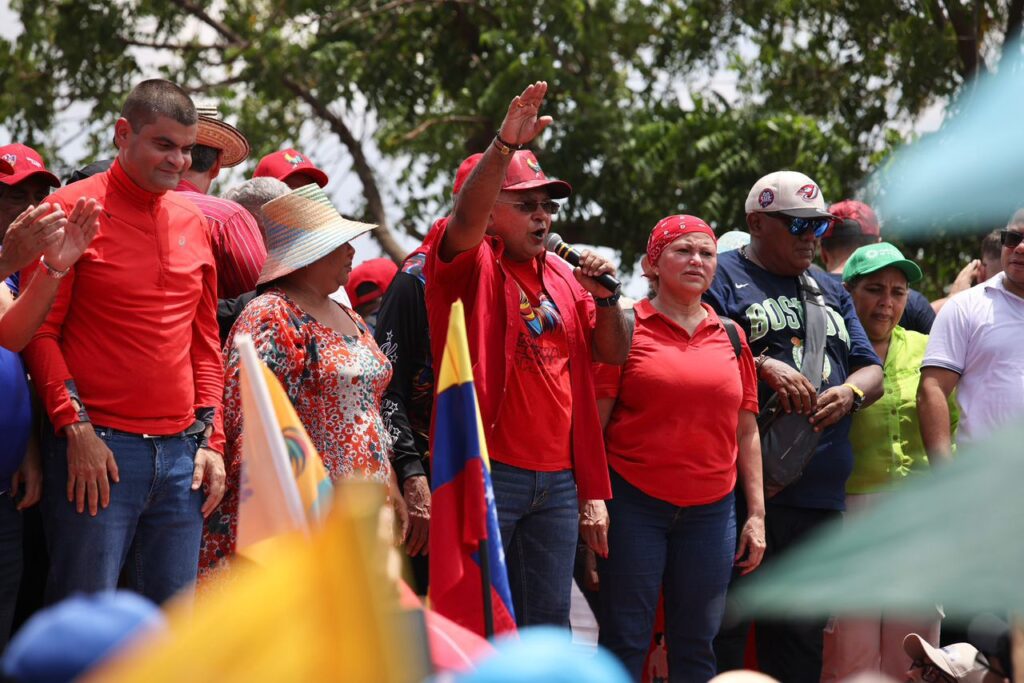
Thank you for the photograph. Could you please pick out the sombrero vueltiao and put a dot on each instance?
(213, 132)
(302, 227)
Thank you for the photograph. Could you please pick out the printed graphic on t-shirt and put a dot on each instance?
(535, 349)
(539, 319)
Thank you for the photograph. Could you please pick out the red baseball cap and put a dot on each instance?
(25, 162)
(369, 280)
(852, 218)
(523, 173)
(286, 163)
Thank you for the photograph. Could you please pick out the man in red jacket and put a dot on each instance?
(533, 330)
(128, 367)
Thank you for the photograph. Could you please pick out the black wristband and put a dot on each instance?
(609, 301)
(506, 145)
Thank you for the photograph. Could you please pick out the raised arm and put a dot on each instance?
(473, 206)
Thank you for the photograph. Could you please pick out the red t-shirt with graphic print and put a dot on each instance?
(536, 415)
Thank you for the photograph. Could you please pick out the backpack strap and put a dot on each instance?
(734, 336)
(727, 323)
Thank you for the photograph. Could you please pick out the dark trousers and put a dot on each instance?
(655, 545)
(789, 650)
(10, 564)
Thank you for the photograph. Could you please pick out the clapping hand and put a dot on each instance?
(35, 229)
(79, 229)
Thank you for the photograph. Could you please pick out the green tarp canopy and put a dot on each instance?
(953, 537)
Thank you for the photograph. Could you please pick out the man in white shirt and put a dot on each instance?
(973, 348)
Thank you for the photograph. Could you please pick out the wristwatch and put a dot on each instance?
(858, 397)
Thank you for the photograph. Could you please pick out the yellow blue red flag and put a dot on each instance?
(284, 485)
(463, 510)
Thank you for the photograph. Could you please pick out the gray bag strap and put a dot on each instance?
(815, 325)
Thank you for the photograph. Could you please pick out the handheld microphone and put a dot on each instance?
(555, 245)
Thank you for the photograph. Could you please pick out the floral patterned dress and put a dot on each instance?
(334, 381)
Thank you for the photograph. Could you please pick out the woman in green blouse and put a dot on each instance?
(887, 448)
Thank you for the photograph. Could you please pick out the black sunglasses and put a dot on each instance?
(931, 673)
(798, 226)
(550, 207)
(1010, 238)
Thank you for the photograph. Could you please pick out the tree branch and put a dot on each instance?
(967, 41)
(359, 163)
(177, 47)
(1012, 35)
(218, 26)
(362, 15)
(438, 121)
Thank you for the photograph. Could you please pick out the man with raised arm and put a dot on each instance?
(534, 325)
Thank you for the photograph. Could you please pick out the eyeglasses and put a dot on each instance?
(1010, 238)
(798, 226)
(528, 207)
(931, 673)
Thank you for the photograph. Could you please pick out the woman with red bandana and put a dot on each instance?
(673, 519)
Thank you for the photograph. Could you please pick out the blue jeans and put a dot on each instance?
(539, 520)
(655, 545)
(149, 534)
(10, 564)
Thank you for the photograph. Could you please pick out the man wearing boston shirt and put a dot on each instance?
(758, 287)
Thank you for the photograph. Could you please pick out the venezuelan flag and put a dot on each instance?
(463, 510)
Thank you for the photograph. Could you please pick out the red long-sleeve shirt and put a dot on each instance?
(132, 334)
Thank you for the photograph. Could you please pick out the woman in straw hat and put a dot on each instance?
(322, 352)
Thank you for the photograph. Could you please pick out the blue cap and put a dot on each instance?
(546, 653)
(64, 641)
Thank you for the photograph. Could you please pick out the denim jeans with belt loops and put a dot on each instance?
(149, 535)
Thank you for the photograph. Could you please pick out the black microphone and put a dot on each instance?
(555, 245)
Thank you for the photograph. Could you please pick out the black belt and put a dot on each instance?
(197, 427)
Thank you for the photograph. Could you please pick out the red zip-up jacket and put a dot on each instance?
(131, 341)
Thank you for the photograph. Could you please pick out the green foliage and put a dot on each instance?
(643, 127)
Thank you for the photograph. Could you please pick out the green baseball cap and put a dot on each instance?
(873, 257)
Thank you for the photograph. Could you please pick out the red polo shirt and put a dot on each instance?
(493, 322)
(133, 329)
(672, 432)
(238, 247)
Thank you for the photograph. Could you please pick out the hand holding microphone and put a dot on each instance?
(589, 262)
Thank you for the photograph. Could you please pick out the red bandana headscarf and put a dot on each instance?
(668, 230)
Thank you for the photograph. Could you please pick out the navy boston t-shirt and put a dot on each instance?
(769, 309)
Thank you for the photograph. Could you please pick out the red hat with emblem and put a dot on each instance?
(25, 162)
(853, 218)
(524, 173)
(287, 163)
(369, 280)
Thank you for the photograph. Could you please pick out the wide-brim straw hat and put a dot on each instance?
(303, 227)
(213, 132)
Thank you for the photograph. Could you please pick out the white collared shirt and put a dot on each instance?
(978, 334)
